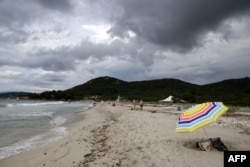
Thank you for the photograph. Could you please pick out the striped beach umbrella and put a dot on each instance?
(199, 116)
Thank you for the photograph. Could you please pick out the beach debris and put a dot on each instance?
(218, 144)
(204, 145)
(87, 155)
(209, 144)
(99, 143)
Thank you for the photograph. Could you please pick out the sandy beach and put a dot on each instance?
(118, 136)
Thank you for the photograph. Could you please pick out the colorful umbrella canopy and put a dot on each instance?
(199, 116)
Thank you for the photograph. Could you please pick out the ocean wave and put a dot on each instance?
(57, 121)
(34, 104)
(33, 142)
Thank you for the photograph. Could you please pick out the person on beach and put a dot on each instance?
(141, 104)
(134, 103)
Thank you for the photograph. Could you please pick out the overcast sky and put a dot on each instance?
(58, 44)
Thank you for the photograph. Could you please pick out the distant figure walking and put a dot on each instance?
(141, 104)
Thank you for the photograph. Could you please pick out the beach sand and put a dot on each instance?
(118, 136)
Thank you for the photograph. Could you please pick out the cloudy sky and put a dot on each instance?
(58, 44)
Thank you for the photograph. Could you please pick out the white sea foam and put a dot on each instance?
(57, 121)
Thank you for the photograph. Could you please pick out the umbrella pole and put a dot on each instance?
(205, 132)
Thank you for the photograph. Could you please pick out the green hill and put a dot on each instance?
(233, 91)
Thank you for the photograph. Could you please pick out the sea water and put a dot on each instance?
(26, 124)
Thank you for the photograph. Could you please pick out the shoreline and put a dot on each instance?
(40, 156)
(118, 136)
(54, 127)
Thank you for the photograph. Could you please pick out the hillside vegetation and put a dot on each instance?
(233, 91)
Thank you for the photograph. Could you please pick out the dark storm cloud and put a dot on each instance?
(67, 58)
(13, 36)
(178, 25)
(50, 60)
(14, 13)
(19, 12)
(61, 43)
(61, 5)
